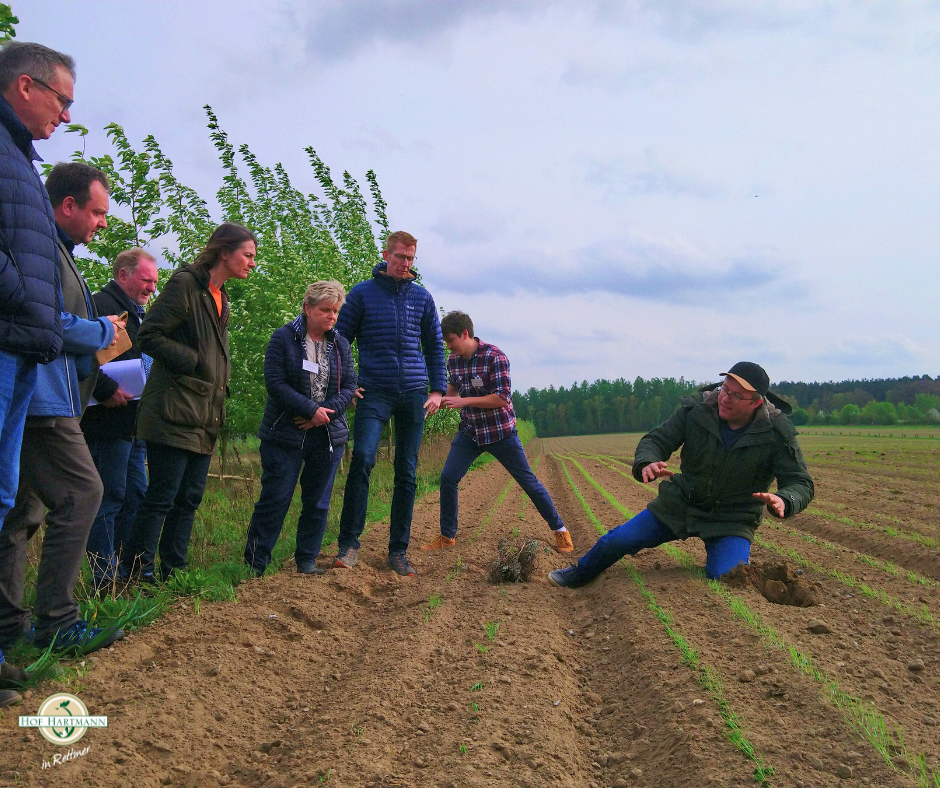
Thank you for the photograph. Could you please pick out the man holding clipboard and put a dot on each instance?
(109, 424)
(56, 470)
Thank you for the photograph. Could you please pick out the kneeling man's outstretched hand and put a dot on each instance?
(654, 470)
(774, 503)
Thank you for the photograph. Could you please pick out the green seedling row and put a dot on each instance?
(876, 563)
(862, 717)
(610, 498)
(897, 533)
(489, 515)
(525, 498)
(584, 504)
(708, 677)
(921, 614)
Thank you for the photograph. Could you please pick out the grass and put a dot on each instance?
(216, 566)
(491, 628)
(434, 602)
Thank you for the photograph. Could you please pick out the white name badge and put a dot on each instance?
(311, 366)
(477, 383)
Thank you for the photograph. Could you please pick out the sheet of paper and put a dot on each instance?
(129, 375)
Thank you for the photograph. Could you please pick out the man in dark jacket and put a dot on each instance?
(56, 469)
(401, 355)
(735, 440)
(36, 88)
(109, 425)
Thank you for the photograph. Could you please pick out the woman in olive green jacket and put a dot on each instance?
(182, 408)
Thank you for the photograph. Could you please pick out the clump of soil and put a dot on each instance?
(515, 562)
(781, 584)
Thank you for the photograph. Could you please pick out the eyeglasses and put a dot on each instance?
(63, 100)
(400, 256)
(735, 397)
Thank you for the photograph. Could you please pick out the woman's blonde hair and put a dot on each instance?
(328, 290)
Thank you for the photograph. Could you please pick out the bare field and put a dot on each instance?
(651, 677)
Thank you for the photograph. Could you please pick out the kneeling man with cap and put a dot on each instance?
(736, 439)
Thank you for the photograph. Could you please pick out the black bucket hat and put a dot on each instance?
(753, 377)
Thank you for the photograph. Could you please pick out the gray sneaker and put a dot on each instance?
(399, 562)
(346, 558)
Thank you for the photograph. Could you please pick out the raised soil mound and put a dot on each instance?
(779, 583)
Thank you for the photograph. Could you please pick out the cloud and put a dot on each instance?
(470, 224)
(871, 352)
(616, 177)
(651, 270)
(342, 29)
(377, 141)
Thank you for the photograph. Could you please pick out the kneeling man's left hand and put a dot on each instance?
(774, 503)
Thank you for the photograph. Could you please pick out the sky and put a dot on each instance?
(608, 189)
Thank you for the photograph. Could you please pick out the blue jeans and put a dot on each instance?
(135, 489)
(511, 455)
(644, 531)
(177, 483)
(280, 467)
(17, 381)
(120, 466)
(372, 414)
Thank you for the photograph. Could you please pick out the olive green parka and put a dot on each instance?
(183, 404)
(712, 496)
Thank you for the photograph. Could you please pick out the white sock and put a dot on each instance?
(560, 530)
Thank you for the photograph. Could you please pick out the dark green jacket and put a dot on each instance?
(712, 496)
(183, 404)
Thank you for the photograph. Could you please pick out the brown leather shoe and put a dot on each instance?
(9, 697)
(12, 676)
(563, 543)
(439, 543)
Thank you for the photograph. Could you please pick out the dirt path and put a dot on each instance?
(360, 678)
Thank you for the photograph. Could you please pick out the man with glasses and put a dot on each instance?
(394, 323)
(736, 439)
(36, 88)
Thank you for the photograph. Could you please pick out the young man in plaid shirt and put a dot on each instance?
(478, 383)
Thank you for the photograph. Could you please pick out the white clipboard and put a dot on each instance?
(129, 375)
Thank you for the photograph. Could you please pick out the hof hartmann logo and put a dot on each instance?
(63, 719)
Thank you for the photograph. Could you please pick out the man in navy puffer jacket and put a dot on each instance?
(36, 88)
(56, 469)
(394, 323)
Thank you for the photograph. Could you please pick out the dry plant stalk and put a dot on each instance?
(515, 562)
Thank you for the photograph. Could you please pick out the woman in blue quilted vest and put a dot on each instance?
(310, 377)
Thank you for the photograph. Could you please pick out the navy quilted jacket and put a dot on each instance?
(288, 386)
(395, 325)
(30, 292)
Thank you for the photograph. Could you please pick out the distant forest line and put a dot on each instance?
(622, 406)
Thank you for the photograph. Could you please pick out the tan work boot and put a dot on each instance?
(563, 543)
(439, 543)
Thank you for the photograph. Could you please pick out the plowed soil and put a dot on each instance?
(361, 678)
